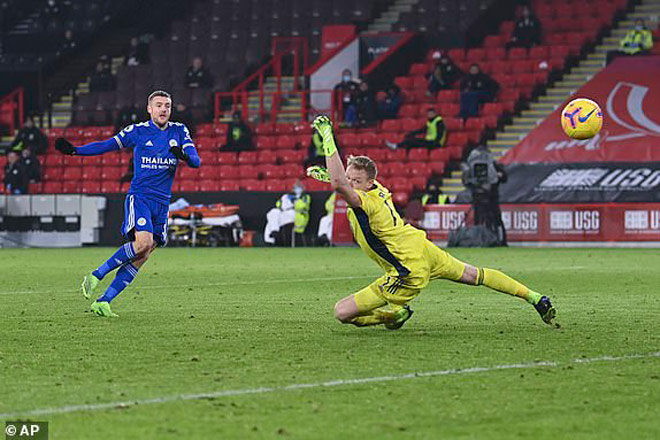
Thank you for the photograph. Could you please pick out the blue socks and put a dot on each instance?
(123, 255)
(125, 275)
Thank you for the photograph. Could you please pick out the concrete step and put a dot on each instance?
(456, 174)
(545, 99)
(501, 143)
(401, 8)
(499, 151)
(517, 129)
(560, 91)
(535, 107)
(595, 63)
(451, 190)
(537, 113)
(511, 136)
(452, 182)
(380, 28)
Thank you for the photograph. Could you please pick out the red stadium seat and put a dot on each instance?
(276, 186)
(453, 124)
(252, 185)
(189, 186)
(266, 142)
(349, 140)
(539, 53)
(517, 53)
(52, 174)
(475, 55)
(559, 52)
(398, 155)
(111, 173)
(522, 66)
(264, 129)
(448, 96)
(52, 187)
(456, 54)
(419, 169)
(496, 53)
(292, 171)
(400, 184)
(419, 82)
(110, 187)
(209, 185)
(292, 156)
(284, 129)
(35, 188)
(266, 157)
(209, 172)
(419, 69)
(475, 124)
(227, 185)
(369, 139)
(391, 125)
(439, 155)
(500, 67)
(303, 128)
(404, 82)
(460, 139)
(49, 160)
(228, 172)
(247, 171)
(494, 41)
(72, 174)
(112, 159)
(93, 161)
(72, 161)
(492, 108)
(506, 27)
(285, 142)
(418, 183)
(91, 187)
(409, 124)
(418, 155)
(448, 109)
(408, 111)
(271, 171)
(247, 157)
(187, 173)
(400, 199)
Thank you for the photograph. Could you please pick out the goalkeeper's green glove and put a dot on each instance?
(319, 173)
(323, 125)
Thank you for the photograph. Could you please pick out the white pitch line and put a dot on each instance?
(183, 286)
(302, 386)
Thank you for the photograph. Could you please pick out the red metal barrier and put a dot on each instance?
(11, 109)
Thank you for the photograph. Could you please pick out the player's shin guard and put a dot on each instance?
(125, 275)
(123, 255)
(496, 280)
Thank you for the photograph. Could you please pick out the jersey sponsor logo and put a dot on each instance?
(157, 163)
(142, 221)
(578, 221)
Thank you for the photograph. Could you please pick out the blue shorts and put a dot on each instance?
(143, 214)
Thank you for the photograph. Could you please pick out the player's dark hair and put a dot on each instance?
(363, 163)
(157, 93)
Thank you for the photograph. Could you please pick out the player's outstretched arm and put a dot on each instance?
(334, 164)
(91, 149)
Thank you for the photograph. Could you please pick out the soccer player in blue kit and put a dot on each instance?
(158, 146)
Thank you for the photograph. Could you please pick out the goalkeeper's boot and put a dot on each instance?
(546, 310)
(400, 318)
(88, 285)
(103, 309)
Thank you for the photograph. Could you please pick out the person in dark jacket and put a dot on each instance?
(32, 165)
(434, 132)
(444, 75)
(197, 76)
(389, 106)
(30, 137)
(345, 93)
(239, 135)
(476, 88)
(366, 106)
(527, 32)
(16, 177)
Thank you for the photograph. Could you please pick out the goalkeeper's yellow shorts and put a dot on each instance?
(389, 289)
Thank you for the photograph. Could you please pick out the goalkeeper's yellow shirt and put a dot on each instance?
(381, 233)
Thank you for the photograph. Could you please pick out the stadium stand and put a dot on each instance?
(282, 148)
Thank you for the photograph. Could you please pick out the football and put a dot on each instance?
(581, 118)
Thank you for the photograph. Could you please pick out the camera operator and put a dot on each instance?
(482, 176)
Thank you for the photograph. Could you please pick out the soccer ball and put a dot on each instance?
(581, 119)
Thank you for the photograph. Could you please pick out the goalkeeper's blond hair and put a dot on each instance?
(363, 163)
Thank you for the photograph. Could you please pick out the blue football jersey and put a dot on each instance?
(154, 164)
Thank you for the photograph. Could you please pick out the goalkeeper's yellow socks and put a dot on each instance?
(496, 280)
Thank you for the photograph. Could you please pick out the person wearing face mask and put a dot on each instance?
(239, 136)
(290, 216)
(434, 132)
(444, 75)
(476, 88)
(527, 31)
(346, 93)
(433, 195)
(30, 137)
(32, 165)
(638, 41)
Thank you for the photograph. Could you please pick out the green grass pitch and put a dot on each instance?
(208, 340)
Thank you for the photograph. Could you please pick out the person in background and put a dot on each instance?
(68, 45)
(102, 79)
(30, 137)
(128, 116)
(527, 31)
(476, 88)
(434, 132)
(433, 195)
(290, 215)
(345, 93)
(388, 107)
(137, 53)
(16, 177)
(638, 41)
(325, 224)
(197, 77)
(365, 106)
(444, 74)
(239, 135)
(32, 165)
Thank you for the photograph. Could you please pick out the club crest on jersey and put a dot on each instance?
(142, 221)
(173, 143)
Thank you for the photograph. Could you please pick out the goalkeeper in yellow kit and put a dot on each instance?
(408, 258)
